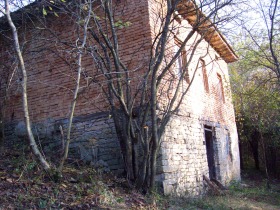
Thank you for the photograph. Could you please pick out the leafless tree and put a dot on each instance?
(262, 35)
(31, 138)
(41, 26)
(258, 45)
(81, 49)
(139, 117)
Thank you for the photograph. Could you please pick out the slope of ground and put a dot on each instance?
(24, 186)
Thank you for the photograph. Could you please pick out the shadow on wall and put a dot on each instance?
(94, 140)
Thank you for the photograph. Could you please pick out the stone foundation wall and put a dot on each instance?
(182, 159)
(94, 139)
(183, 156)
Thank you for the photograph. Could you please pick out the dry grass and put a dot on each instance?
(24, 186)
(249, 194)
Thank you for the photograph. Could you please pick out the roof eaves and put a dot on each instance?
(188, 10)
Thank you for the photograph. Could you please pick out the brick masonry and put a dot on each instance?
(182, 157)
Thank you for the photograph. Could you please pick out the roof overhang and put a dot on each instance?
(189, 11)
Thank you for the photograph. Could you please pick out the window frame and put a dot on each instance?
(181, 60)
(220, 91)
(204, 75)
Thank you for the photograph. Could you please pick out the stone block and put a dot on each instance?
(169, 168)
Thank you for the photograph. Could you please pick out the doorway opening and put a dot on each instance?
(209, 139)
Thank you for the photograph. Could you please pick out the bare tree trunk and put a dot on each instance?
(271, 36)
(73, 105)
(265, 162)
(2, 124)
(240, 145)
(125, 142)
(31, 138)
(2, 132)
(142, 172)
(254, 143)
(77, 87)
(154, 131)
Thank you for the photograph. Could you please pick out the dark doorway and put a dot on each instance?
(210, 151)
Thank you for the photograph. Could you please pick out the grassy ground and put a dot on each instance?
(252, 195)
(24, 186)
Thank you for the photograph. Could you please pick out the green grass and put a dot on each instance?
(252, 195)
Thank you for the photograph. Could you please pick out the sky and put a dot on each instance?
(14, 4)
(247, 13)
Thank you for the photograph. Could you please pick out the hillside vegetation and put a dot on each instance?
(23, 185)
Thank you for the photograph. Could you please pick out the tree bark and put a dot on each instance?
(265, 161)
(32, 142)
(254, 143)
(2, 132)
(77, 87)
(121, 125)
(241, 155)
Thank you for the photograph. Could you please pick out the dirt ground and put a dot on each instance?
(23, 185)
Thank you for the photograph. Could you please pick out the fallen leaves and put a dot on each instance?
(22, 187)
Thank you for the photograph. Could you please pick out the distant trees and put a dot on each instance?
(256, 85)
(259, 28)
(256, 100)
(257, 105)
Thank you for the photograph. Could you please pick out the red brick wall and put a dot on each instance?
(51, 81)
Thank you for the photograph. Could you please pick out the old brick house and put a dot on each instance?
(200, 140)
